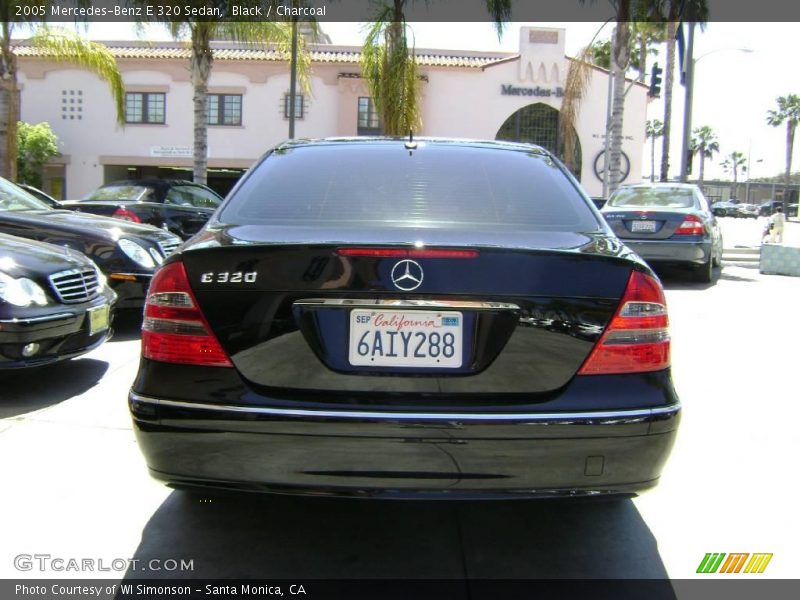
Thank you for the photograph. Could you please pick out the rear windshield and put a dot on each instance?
(660, 197)
(121, 192)
(386, 184)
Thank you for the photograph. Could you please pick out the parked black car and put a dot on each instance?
(178, 206)
(667, 223)
(54, 303)
(126, 253)
(725, 208)
(375, 317)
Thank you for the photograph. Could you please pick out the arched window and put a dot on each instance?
(539, 124)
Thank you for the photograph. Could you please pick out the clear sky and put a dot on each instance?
(733, 90)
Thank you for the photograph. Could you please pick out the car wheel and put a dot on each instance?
(704, 272)
(717, 259)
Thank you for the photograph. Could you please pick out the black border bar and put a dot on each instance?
(730, 588)
(65, 11)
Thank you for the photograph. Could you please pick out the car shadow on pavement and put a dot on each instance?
(27, 390)
(281, 537)
(730, 276)
(675, 278)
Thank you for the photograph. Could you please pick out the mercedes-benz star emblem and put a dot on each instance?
(407, 275)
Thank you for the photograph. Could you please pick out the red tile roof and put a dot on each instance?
(320, 53)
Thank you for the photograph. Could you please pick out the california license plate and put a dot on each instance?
(98, 319)
(645, 226)
(410, 338)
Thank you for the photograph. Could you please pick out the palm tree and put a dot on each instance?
(56, 45)
(653, 130)
(626, 13)
(788, 112)
(390, 68)
(704, 143)
(734, 163)
(200, 34)
(391, 71)
(692, 10)
(646, 34)
(598, 53)
(620, 60)
(643, 39)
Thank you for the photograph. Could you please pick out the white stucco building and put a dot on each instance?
(466, 94)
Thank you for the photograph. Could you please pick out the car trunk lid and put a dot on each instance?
(291, 314)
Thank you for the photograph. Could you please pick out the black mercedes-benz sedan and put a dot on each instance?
(181, 207)
(54, 304)
(381, 317)
(127, 253)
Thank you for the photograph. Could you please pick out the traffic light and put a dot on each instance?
(655, 81)
(689, 161)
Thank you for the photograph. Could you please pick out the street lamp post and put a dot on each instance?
(750, 170)
(687, 111)
(293, 80)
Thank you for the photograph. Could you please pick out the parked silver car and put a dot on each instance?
(667, 223)
(747, 211)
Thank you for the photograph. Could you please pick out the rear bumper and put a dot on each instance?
(395, 455)
(666, 251)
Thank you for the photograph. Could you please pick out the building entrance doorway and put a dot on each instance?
(540, 124)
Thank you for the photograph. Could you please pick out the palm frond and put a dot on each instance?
(575, 85)
(392, 74)
(500, 11)
(64, 46)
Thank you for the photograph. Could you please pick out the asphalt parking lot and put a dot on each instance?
(76, 486)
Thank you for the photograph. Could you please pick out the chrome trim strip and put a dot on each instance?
(636, 414)
(390, 303)
(131, 274)
(627, 241)
(56, 317)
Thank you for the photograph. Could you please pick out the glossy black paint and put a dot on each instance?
(183, 221)
(419, 456)
(228, 387)
(61, 330)
(96, 237)
(261, 326)
(292, 414)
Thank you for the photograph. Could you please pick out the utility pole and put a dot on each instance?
(293, 79)
(687, 111)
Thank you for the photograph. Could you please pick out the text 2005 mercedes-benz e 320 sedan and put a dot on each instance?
(397, 318)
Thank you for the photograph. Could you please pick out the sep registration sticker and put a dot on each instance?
(409, 338)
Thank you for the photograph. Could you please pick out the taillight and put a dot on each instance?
(637, 338)
(126, 215)
(692, 225)
(174, 330)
